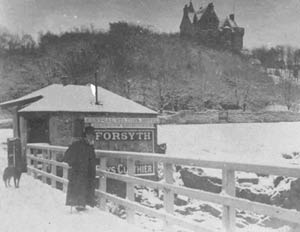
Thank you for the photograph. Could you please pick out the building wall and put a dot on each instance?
(237, 40)
(64, 128)
(61, 129)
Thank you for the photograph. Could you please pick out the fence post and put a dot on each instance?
(28, 152)
(65, 176)
(168, 194)
(35, 163)
(102, 182)
(53, 169)
(130, 190)
(228, 184)
(44, 165)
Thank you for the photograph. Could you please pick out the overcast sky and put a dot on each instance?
(267, 22)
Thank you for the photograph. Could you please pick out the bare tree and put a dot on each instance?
(288, 92)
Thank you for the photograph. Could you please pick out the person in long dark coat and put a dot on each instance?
(81, 158)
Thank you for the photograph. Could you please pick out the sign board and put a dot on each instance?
(125, 134)
(141, 169)
(109, 122)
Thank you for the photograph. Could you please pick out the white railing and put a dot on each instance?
(226, 198)
(44, 161)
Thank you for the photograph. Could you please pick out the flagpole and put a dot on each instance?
(234, 2)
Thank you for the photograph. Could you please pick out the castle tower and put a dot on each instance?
(186, 26)
(205, 26)
(209, 19)
(232, 34)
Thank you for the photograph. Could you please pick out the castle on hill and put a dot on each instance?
(205, 27)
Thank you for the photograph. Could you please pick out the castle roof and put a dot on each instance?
(191, 8)
(200, 12)
(227, 22)
(192, 15)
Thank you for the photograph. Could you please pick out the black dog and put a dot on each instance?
(10, 172)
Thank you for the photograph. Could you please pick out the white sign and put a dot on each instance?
(121, 135)
(109, 122)
(140, 169)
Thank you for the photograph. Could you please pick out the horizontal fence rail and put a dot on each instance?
(44, 162)
(41, 155)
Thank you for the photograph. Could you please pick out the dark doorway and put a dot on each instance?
(38, 130)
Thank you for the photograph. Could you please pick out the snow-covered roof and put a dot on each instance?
(228, 23)
(200, 12)
(76, 98)
(191, 16)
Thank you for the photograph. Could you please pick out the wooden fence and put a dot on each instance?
(226, 198)
(44, 162)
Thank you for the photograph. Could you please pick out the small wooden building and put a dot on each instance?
(58, 113)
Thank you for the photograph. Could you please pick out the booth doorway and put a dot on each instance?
(38, 130)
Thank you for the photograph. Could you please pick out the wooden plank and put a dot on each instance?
(130, 191)
(49, 175)
(53, 169)
(54, 165)
(228, 185)
(44, 168)
(27, 152)
(35, 163)
(47, 146)
(53, 162)
(268, 169)
(168, 194)
(102, 184)
(222, 199)
(15, 122)
(23, 133)
(65, 176)
(188, 224)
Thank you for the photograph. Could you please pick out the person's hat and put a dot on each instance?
(89, 130)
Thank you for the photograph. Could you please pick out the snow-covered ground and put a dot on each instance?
(36, 207)
(252, 143)
(240, 142)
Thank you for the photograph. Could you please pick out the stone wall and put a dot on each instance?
(234, 116)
